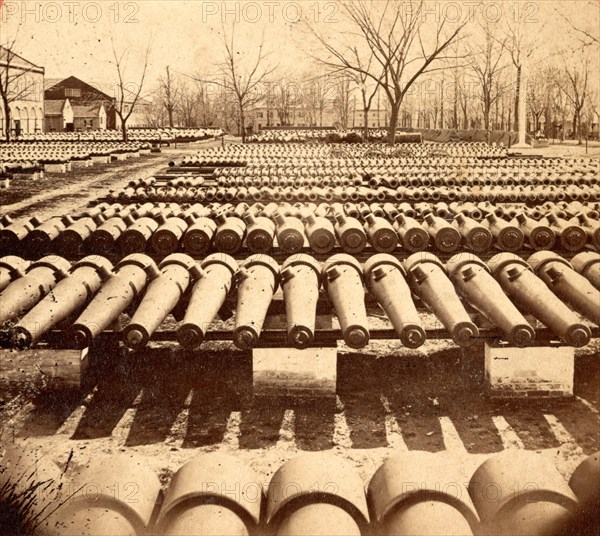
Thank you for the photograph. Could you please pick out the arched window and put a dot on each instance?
(16, 125)
(38, 121)
(25, 120)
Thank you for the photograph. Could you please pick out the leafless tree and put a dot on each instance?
(538, 96)
(574, 84)
(170, 93)
(487, 66)
(462, 92)
(128, 93)
(559, 104)
(465, 99)
(520, 45)
(283, 97)
(225, 109)
(587, 36)
(154, 114)
(404, 45)
(242, 76)
(317, 95)
(368, 90)
(341, 101)
(590, 112)
(15, 84)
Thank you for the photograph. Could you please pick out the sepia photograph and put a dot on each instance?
(299, 268)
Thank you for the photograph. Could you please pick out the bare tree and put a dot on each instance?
(538, 89)
(154, 114)
(15, 85)
(458, 72)
(520, 45)
(403, 44)
(464, 98)
(170, 94)
(128, 93)
(559, 103)
(283, 97)
(574, 84)
(224, 108)
(590, 112)
(367, 92)
(310, 100)
(207, 115)
(188, 106)
(319, 92)
(341, 101)
(487, 66)
(242, 78)
(587, 36)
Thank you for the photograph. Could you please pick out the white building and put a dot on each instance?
(262, 116)
(376, 118)
(25, 93)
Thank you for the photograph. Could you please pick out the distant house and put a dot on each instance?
(141, 112)
(82, 94)
(61, 116)
(376, 118)
(89, 117)
(262, 116)
(27, 111)
(58, 116)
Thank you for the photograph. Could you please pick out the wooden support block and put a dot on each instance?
(45, 368)
(56, 168)
(78, 164)
(310, 372)
(533, 372)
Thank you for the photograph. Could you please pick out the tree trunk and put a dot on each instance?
(578, 131)
(366, 124)
(242, 124)
(7, 121)
(170, 112)
(496, 112)
(393, 122)
(442, 106)
(455, 106)
(124, 130)
(575, 124)
(486, 114)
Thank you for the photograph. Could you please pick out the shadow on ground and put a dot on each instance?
(168, 394)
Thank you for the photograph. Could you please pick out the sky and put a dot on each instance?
(74, 37)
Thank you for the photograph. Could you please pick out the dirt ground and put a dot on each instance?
(59, 193)
(169, 405)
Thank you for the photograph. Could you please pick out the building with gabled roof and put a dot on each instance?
(85, 94)
(58, 116)
(89, 117)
